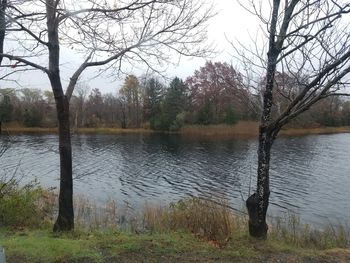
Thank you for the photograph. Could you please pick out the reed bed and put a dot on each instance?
(290, 230)
(241, 129)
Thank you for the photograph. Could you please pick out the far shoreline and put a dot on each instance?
(243, 129)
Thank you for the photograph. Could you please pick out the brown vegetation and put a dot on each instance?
(243, 129)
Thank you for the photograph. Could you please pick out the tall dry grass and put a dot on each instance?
(250, 129)
(92, 216)
(318, 130)
(241, 129)
(291, 230)
(203, 218)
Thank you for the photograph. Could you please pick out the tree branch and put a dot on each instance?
(27, 62)
(129, 7)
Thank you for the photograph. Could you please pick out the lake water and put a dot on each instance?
(310, 175)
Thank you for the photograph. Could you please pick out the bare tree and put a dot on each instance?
(81, 92)
(110, 33)
(308, 41)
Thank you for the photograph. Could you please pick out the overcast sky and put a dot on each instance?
(231, 22)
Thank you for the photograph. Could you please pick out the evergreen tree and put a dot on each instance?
(153, 91)
(174, 104)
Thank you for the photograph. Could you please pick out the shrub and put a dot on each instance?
(26, 206)
(179, 122)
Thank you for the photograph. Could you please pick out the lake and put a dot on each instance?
(310, 175)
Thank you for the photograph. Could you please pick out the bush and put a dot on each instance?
(165, 123)
(26, 206)
(179, 122)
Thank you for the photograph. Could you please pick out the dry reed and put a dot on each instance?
(241, 129)
(291, 230)
(203, 218)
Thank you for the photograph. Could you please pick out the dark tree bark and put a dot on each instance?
(65, 218)
(258, 203)
(3, 5)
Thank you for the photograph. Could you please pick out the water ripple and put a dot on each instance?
(309, 175)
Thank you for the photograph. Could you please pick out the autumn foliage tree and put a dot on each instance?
(216, 89)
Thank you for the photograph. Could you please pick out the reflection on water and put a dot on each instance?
(309, 175)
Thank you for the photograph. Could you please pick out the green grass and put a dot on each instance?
(42, 246)
(117, 246)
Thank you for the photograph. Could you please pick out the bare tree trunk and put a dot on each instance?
(65, 218)
(138, 125)
(76, 120)
(81, 113)
(258, 203)
(3, 5)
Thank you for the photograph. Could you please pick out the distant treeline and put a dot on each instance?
(215, 94)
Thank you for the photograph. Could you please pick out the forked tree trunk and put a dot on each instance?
(65, 219)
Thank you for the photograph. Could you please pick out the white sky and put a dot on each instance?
(231, 22)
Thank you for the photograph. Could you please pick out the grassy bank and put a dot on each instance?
(190, 230)
(115, 246)
(243, 129)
